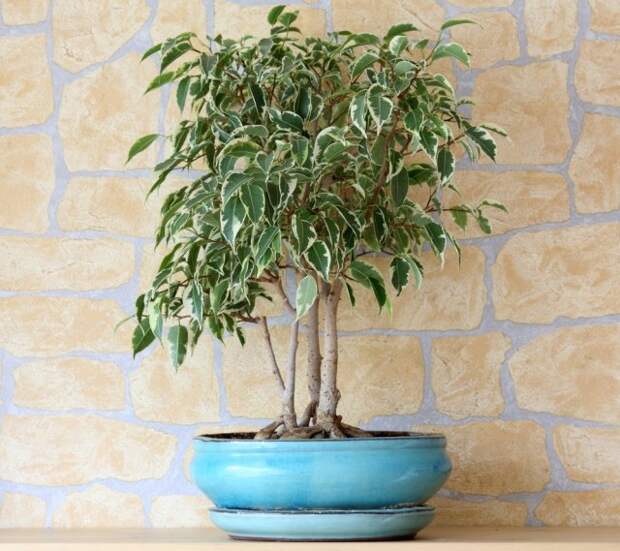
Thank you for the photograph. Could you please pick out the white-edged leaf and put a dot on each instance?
(253, 198)
(453, 50)
(177, 344)
(380, 108)
(357, 111)
(320, 258)
(142, 336)
(445, 164)
(362, 63)
(306, 295)
(232, 219)
(398, 44)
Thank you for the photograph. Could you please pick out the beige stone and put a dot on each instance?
(26, 95)
(187, 396)
(595, 167)
(496, 458)
(179, 16)
(481, 3)
(531, 103)
(593, 508)
(108, 111)
(530, 197)
(110, 204)
(494, 38)
(450, 298)
(250, 386)
(177, 511)
(22, 511)
(99, 507)
(492, 512)
(39, 264)
(589, 454)
(42, 326)
(89, 32)
(569, 272)
(571, 372)
(466, 374)
(604, 16)
(23, 12)
(377, 376)
(235, 20)
(79, 449)
(26, 181)
(362, 16)
(67, 383)
(551, 26)
(594, 81)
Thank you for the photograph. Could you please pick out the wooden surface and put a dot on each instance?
(437, 539)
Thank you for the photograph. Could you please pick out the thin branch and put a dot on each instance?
(272, 357)
(288, 395)
(282, 293)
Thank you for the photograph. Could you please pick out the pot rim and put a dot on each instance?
(240, 438)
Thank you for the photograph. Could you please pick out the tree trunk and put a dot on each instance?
(313, 372)
(288, 395)
(329, 394)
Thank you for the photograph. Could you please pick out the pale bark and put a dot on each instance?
(288, 395)
(313, 370)
(329, 394)
(272, 357)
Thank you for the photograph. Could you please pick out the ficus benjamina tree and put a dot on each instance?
(305, 153)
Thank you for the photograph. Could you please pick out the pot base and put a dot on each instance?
(323, 524)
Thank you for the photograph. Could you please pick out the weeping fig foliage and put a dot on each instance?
(306, 154)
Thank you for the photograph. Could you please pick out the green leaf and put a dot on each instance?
(429, 142)
(402, 28)
(232, 219)
(494, 204)
(274, 13)
(182, 89)
(400, 274)
(357, 112)
(197, 301)
(306, 295)
(140, 145)
(319, 258)
(398, 44)
(416, 270)
(452, 50)
(380, 108)
(288, 120)
(253, 198)
(232, 184)
(258, 97)
(484, 141)
(399, 186)
(303, 230)
(369, 277)
(494, 128)
(403, 67)
(217, 295)
(152, 50)
(303, 103)
(445, 164)
(437, 237)
(160, 80)
(239, 147)
(177, 344)
(362, 63)
(300, 149)
(484, 224)
(142, 336)
(460, 218)
(454, 22)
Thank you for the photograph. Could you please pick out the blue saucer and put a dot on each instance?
(323, 525)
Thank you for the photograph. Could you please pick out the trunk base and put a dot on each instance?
(325, 427)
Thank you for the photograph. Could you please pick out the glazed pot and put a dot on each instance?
(237, 472)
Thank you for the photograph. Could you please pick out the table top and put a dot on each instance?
(435, 538)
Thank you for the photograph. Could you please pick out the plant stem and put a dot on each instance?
(313, 371)
(272, 357)
(288, 394)
(329, 394)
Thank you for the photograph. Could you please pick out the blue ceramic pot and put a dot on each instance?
(236, 472)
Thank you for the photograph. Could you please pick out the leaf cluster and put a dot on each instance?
(308, 152)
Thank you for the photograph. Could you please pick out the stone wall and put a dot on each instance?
(516, 356)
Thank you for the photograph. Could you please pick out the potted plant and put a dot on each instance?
(306, 153)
